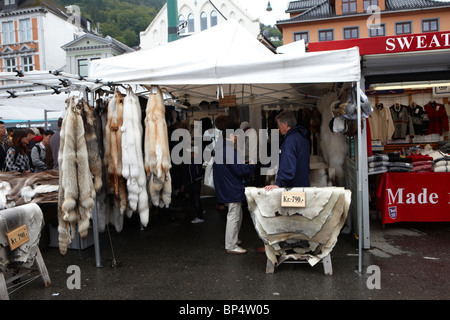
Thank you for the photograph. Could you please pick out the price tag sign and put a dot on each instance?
(293, 199)
(18, 237)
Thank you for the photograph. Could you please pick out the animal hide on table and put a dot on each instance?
(76, 186)
(156, 150)
(21, 188)
(132, 157)
(10, 219)
(299, 233)
(113, 160)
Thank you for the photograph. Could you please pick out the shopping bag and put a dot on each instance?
(209, 179)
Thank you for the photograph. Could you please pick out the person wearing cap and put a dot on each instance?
(38, 152)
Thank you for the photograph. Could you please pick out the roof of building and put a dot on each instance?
(318, 9)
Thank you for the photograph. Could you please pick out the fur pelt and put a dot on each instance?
(132, 157)
(156, 150)
(113, 159)
(95, 162)
(76, 187)
(333, 146)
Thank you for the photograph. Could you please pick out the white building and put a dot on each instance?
(200, 15)
(32, 33)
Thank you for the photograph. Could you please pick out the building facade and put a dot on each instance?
(32, 33)
(88, 47)
(329, 20)
(199, 15)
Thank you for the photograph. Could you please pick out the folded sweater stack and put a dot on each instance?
(378, 163)
(421, 163)
(398, 163)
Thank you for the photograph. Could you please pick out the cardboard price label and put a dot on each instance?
(293, 199)
(18, 237)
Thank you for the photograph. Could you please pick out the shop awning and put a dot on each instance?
(226, 58)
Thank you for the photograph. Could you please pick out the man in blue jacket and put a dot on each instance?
(229, 172)
(293, 168)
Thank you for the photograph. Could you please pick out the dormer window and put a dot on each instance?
(348, 6)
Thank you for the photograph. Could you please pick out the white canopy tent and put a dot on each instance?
(201, 65)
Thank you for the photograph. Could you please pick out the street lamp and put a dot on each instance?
(269, 7)
(172, 20)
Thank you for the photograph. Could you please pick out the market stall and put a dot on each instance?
(225, 60)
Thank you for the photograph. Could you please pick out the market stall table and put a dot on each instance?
(414, 197)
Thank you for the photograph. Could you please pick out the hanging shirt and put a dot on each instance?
(438, 117)
(402, 122)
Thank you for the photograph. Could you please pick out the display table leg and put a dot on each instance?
(327, 267)
(42, 268)
(3, 289)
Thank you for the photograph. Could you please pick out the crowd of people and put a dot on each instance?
(30, 150)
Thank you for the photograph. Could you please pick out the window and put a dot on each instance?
(8, 32)
(403, 28)
(301, 35)
(348, 6)
(27, 63)
(83, 67)
(351, 33)
(25, 30)
(10, 64)
(430, 25)
(326, 35)
(180, 21)
(377, 30)
(213, 18)
(203, 21)
(368, 3)
(191, 23)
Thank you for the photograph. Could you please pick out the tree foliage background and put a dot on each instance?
(120, 19)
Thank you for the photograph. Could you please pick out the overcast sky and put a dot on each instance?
(257, 9)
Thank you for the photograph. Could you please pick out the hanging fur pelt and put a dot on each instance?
(76, 188)
(156, 150)
(132, 157)
(113, 160)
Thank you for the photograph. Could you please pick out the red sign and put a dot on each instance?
(416, 196)
(388, 44)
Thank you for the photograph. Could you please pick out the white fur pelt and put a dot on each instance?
(113, 160)
(156, 150)
(76, 187)
(132, 157)
(333, 145)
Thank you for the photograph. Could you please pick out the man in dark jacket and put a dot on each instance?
(229, 172)
(293, 168)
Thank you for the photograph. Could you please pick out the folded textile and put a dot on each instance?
(399, 169)
(421, 163)
(400, 165)
(441, 168)
(378, 157)
(396, 158)
(377, 170)
(423, 168)
(419, 157)
(378, 164)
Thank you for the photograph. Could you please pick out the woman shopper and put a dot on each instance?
(229, 172)
(39, 152)
(17, 156)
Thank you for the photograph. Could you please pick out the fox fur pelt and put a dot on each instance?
(113, 160)
(76, 188)
(156, 150)
(132, 157)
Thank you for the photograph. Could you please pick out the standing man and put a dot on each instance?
(5, 143)
(229, 172)
(295, 149)
(54, 144)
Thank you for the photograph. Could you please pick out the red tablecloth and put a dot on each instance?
(415, 196)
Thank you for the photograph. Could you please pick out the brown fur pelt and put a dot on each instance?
(95, 163)
(156, 150)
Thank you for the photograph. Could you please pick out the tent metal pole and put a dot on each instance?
(360, 179)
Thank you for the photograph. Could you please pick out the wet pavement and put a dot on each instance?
(173, 259)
